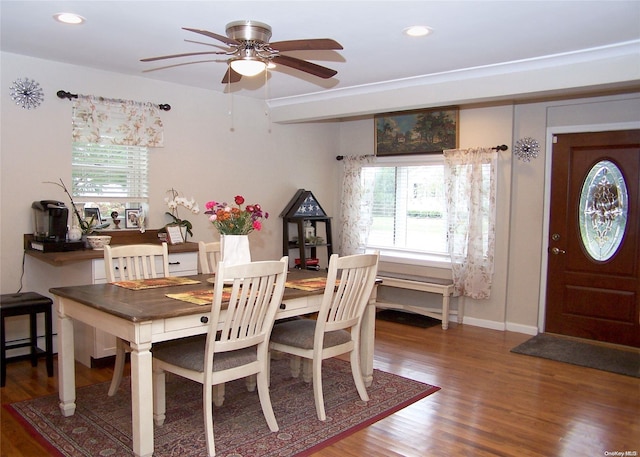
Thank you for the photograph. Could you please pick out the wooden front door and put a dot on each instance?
(593, 271)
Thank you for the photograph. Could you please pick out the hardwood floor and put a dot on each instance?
(492, 402)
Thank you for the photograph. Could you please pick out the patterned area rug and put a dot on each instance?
(101, 425)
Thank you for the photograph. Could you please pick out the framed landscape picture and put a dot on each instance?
(416, 132)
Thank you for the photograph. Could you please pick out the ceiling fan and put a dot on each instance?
(250, 51)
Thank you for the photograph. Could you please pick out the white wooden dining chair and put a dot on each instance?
(209, 255)
(236, 344)
(130, 262)
(336, 331)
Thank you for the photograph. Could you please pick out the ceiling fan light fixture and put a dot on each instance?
(248, 66)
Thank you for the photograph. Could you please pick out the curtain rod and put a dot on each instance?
(502, 147)
(69, 95)
(367, 155)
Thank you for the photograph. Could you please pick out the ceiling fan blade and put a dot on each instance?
(307, 67)
(224, 39)
(187, 54)
(181, 64)
(231, 76)
(317, 44)
(209, 44)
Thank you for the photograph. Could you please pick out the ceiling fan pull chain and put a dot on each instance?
(232, 128)
(267, 111)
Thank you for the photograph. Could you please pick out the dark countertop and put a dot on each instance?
(118, 238)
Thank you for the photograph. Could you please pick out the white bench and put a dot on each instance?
(423, 284)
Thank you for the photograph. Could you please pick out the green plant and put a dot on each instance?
(173, 203)
(87, 227)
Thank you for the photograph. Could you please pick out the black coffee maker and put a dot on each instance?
(50, 218)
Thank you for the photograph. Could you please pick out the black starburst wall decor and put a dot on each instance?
(27, 93)
(527, 149)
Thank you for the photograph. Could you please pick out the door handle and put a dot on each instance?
(557, 251)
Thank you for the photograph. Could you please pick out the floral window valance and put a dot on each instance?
(123, 122)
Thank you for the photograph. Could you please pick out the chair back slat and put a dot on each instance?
(209, 255)
(136, 261)
(255, 293)
(350, 281)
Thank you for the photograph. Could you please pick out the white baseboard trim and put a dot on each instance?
(502, 326)
(520, 328)
(493, 325)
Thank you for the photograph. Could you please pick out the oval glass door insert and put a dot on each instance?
(603, 210)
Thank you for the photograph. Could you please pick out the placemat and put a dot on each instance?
(154, 283)
(201, 296)
(308, 284)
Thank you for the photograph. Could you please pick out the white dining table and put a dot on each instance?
(145, 317)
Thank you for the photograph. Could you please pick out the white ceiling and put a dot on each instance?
(466, 34)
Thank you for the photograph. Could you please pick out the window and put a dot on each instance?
(109, 154)
(603, 210)
(408, 217)
(110, 177)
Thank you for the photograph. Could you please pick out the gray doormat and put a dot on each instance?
(403, 317)
(626, 362)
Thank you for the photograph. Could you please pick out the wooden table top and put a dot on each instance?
(152, 304)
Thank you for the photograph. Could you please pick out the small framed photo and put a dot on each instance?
(174, 234)
(93, 215)
(131, 218)
(428, 131)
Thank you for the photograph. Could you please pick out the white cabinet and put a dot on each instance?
(91, 344)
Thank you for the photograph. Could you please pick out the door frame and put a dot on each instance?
(550, 132)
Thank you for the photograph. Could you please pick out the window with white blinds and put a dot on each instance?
(408, 211)
(109, 173)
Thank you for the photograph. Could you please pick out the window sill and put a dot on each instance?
(413, 258)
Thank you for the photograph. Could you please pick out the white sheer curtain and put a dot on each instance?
(470, 189)
(355, 206)
(122, 122)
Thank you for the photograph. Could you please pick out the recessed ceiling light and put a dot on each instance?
(69, 18)
(417, 30)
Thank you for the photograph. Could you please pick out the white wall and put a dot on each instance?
(264, 162)
(517, 300)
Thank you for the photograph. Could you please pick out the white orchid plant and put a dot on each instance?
(174, 202)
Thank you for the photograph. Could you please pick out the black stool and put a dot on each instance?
(22, 304)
